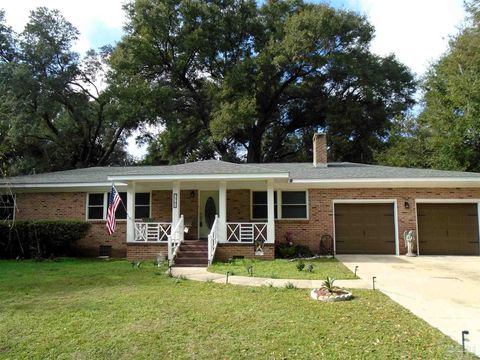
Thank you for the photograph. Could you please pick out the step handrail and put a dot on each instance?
(175, 239)
(213, 241)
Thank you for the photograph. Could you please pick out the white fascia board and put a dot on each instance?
(389, 182)
(199, 177)
(60, 185)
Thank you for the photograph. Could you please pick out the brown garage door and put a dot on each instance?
(447, 229)
(364, 229)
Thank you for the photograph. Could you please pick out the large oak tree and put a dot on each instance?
(53, 113)
(242, 81)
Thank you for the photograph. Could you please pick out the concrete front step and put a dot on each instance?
(189, 262)
(192, 253)
(193, 248)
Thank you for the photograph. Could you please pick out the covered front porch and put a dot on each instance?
(216, 213)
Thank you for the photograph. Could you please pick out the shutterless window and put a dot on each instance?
(7, 207)
(260, 206)
(294, 204)
(142, 205)
(95, 206)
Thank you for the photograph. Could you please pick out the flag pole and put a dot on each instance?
(126, 211)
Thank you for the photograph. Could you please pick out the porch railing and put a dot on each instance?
(175, 240)
(246, 232)
(152, 231)
(213, 241)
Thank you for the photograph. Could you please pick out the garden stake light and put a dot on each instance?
(356, 268)
(226, 280)
(373, 282)
(464, 332)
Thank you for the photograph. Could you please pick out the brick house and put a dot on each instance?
(245, 209)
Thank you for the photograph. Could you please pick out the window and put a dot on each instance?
(7, 207)
(260, 206)
(96, 204)
(294, 205)
(142, 205)
(289, 204)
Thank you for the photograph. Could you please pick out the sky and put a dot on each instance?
(416, 31)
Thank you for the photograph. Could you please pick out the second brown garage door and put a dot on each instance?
(364, 229)
(447, 229)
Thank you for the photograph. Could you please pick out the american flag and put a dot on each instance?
(113, 202)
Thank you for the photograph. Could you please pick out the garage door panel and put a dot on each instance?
(364, 229)
(448, 229)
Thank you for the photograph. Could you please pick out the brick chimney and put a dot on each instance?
(320, 150)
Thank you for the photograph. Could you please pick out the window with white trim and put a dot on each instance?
(294, 204)
(96, 206)
(289, 204)
(142, 205)
(260, 205)
(7, 207)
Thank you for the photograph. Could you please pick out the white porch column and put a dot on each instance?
(131, 211)
(270, 213)
(175, 203)
(222, 215)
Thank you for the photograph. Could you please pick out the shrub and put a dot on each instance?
(284, 251)
(40, 238)
(300, 265)
(303, 251)
(290, 285)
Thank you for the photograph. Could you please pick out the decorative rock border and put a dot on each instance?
(331, 298)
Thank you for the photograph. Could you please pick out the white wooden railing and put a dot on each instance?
(246, 232)
(213, 241)
(175, 239)
(152, 231)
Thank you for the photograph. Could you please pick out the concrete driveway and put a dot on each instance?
(442, 290)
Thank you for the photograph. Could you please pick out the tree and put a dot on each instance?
(53, 115)
(240, 81)
(447, 130)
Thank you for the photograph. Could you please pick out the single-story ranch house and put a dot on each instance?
(364, 208)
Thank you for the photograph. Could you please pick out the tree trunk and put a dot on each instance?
(254, 153)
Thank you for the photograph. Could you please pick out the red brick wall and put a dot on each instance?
(51, 206)
(238, 205)
(162, 208)
(226, 251)
(137, 252)
(71, 205)
(320, 149)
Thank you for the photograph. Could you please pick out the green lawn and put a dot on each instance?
(77, 309)
(284, 269)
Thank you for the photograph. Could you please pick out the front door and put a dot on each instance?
(208, 210)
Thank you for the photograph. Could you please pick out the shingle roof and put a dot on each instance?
(336, 171)
(306, 171)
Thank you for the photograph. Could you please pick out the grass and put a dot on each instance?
(284, 269)
(78, 309)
